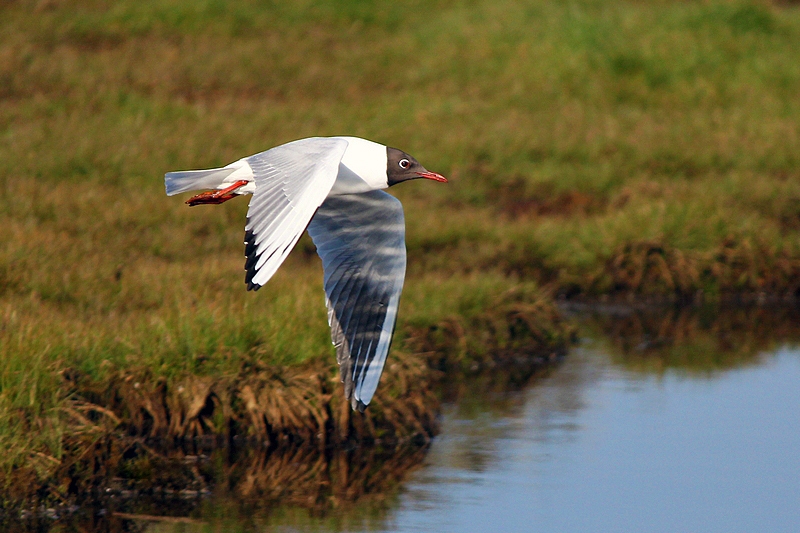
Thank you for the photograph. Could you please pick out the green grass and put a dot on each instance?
(584, 140)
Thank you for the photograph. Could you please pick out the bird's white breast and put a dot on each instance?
(362, 169)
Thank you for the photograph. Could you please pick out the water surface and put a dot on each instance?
(595, 447)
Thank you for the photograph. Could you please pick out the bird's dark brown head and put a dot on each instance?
(402, 167)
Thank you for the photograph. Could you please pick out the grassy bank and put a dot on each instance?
(100, 430)
(594, 147)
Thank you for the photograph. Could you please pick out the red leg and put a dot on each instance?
(216, 197)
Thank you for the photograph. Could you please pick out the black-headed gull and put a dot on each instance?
(332, 186)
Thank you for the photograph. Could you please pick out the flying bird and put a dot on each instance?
(331, 186)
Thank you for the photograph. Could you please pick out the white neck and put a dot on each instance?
(362, 169)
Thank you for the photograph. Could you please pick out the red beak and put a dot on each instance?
(432, 176)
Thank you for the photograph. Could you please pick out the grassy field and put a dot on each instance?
(593, 148)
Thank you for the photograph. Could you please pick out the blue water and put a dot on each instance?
(596, 448)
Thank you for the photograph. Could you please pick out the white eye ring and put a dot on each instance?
(404, 163)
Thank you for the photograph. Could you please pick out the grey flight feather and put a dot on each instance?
(361, 240)
(291, 181)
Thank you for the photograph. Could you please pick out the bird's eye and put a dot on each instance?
(404, 163)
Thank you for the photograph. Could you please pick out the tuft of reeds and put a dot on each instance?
(268, 404)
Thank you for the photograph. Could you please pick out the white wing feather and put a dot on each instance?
(291, 182)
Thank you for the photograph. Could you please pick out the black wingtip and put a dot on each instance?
(358, 405)
(250, 260)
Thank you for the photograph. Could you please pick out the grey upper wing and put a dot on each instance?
(361, 240)
(291, 181)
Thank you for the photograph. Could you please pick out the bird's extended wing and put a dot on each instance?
(361, 240)
(291, 181)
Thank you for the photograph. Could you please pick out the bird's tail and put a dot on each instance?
(193, 180)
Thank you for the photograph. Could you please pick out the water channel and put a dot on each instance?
(657, 421)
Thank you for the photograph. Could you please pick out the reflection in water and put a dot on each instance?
(693, 339)
(674, 420)
(320, 479)
(321, 490)
(346, 488)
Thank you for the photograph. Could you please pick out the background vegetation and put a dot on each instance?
(594, 147)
